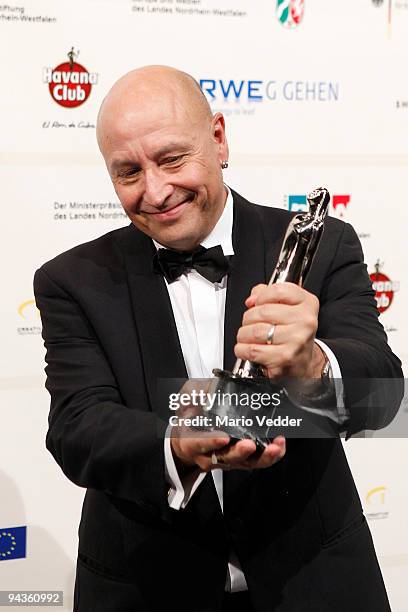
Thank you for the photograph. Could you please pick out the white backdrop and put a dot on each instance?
(324, 102)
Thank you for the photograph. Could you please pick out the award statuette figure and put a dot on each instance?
(299, 247)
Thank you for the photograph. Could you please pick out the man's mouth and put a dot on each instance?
(172, 212)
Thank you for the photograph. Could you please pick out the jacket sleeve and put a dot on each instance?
(349, 325)
(98, 441)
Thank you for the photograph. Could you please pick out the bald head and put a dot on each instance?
(150, 88)
(164, 151)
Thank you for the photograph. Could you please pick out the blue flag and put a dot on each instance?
(13, 543)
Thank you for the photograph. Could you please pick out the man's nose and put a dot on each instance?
(157, 188)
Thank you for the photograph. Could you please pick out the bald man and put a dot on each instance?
(193, 523)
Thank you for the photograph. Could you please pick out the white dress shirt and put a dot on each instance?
(199, 308)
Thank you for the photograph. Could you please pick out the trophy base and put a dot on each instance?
(234, 412)
(260, 409)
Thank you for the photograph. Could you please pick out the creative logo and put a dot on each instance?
(376, 501)
(70, 84)
(28, 310)
(290, 12)
(376, 495)
(384, 288)
(298, 203)
(31, 315)
(13, 543)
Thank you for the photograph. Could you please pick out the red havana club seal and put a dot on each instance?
(384, 288)
(70, 84)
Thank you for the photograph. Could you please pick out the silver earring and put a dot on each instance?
(224, 164)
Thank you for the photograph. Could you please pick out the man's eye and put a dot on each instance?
(129, 173)
(172, 160)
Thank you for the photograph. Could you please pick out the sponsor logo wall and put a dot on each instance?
(312, 95)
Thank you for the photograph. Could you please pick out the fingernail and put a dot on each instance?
(223, 441)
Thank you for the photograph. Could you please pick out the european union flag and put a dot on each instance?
(13, 543)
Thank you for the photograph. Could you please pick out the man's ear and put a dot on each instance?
(219, 136)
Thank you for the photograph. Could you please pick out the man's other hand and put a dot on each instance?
(190, 453)
(294, 312)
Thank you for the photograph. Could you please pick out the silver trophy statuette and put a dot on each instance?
(295, 259)
(298, 249)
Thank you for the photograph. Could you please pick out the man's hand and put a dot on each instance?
(294, 312)
(193, 449)
(190, 453)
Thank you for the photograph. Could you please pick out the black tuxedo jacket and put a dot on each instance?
(297, 527)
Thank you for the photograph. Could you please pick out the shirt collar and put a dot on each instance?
(222, 231)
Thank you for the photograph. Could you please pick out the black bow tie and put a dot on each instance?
(210, 263)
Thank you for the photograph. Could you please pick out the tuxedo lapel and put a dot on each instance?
(256, 245)
(256, 250)
(153, 315)
(247, 270)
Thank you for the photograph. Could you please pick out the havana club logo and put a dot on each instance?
(70, 84)
(384, 288)
(290, 12)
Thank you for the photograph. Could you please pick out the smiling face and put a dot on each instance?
(163, 150)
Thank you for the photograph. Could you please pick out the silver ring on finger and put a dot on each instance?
(269, 335)
(215, 460)
(223, 463)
